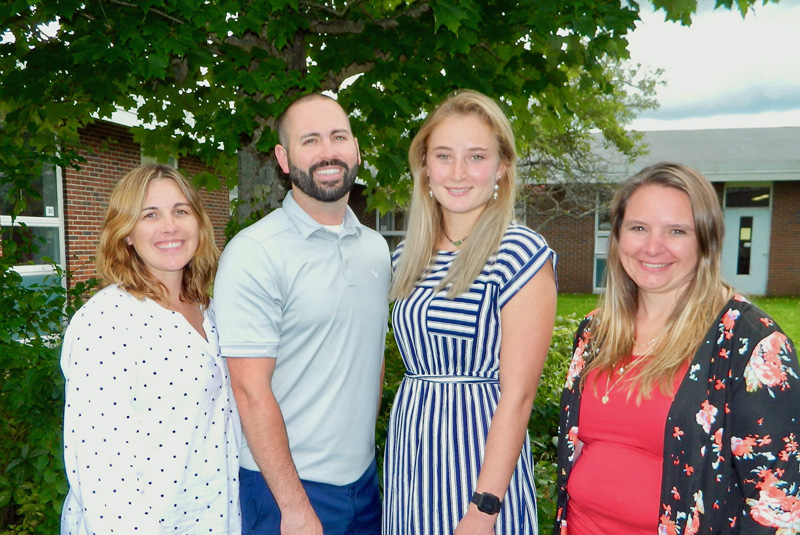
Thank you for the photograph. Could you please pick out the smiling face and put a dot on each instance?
(320, 153)
(463, 165)
(167, 233)
(658, 245)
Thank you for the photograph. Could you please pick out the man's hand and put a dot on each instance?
(300, 521)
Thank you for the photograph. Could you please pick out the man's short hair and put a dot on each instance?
(280, 122)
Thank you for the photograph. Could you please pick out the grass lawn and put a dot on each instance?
(784, 310)
(577, 305)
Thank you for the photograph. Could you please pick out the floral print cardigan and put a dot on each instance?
(731, 455)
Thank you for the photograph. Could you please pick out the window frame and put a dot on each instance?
(56, 221)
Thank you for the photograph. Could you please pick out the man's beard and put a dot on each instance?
(320, 191)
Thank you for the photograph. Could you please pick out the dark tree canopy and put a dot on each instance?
(211, 75)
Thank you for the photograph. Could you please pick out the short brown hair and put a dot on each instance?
(280, 122)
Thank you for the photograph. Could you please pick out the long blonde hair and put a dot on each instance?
(613, 324)
(424, 228)
(117, 262)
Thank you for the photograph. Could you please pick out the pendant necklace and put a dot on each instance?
(456, 243)
(625, 369)
(622, 373)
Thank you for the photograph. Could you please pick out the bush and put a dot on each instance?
(543, 424)
(32, 482)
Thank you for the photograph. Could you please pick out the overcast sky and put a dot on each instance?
(723, 71)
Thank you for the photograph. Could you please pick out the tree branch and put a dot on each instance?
(153, 10)
(334, 80)
(349, 27)
(331, 10)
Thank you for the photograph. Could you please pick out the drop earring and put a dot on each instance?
(430, 191)
(496, 187)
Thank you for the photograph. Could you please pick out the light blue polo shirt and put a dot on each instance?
(317, 301)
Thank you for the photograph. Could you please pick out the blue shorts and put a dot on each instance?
(353, 509)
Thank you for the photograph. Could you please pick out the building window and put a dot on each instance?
(40, 222)
(388, 225)
(602, 226)
(748, 197)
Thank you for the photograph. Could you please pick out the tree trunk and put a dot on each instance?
(262, 184)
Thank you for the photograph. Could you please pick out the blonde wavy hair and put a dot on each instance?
(119, 263)
(424, 227)
(696, 309)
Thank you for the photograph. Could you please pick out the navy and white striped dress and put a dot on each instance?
(441, 415)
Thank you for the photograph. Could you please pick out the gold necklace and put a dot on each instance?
(646, 344)
(622, 372)
(649, 345)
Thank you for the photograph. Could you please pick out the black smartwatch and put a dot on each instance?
(487, 503)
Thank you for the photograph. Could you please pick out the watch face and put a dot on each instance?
(490, 502)
(487, 503)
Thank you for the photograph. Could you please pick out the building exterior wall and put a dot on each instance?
(358, 203)
(111, 153)
(784, 246)
(217, 202)
(573, 240)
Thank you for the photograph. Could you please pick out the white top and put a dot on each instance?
(151, 432)
(317, 302)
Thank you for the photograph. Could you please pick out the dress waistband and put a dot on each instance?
(453, 379)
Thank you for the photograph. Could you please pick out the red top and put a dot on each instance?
(615, 485)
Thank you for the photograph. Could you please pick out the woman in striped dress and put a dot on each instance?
(476, 297)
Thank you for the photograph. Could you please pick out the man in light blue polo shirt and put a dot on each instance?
(301, 306)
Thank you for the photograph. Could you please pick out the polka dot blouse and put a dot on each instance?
(151, 433)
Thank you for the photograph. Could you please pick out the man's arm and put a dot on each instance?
(265, 430)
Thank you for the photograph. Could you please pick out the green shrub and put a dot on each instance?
(32, 480)
(543, 424)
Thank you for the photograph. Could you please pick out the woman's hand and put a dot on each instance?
(476, 523)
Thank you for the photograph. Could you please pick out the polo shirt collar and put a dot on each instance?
(307, 225)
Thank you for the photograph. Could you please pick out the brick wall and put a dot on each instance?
(784, 245)
(572, 238)
(573, 241)
(216, 202)
(111, 153)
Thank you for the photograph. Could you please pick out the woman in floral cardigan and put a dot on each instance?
(681, 409)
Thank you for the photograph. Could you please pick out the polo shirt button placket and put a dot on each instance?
(345, 262)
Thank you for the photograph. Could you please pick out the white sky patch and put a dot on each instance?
(724, 71)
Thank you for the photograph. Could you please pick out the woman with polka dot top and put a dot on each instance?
(151, 433)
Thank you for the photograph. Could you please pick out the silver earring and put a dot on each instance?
(430, 192)
(496, 187)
